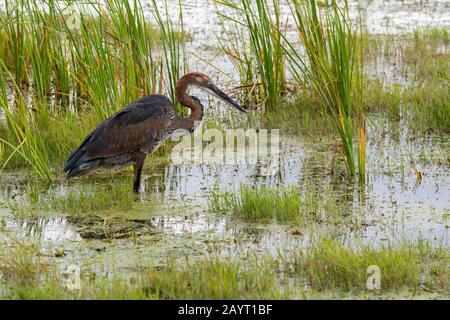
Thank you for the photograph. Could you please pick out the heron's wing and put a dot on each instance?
(131, 130)
(134, 128)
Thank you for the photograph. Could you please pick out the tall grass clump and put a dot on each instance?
(331, 66)
(264, 204)
(112, 49)
(261, 24)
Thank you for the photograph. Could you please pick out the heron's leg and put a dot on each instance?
(137, 172)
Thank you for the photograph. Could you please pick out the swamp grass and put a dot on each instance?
(61, 79)
(99, 59)
(331, 64)
(414, 267)
(333, 69)
(300, 116)
(110, 196)
(101, 193)
(257, 23)
(423, 61)
(427, 99)
(330, 264)
(422, 103)
(82, 91)
(206, 280)
(260, 204)
(295, 206)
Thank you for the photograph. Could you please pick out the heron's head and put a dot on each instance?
(203, 82)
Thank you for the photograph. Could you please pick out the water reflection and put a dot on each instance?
(55, 229)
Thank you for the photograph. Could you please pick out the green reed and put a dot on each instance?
(27, 144)
(107, 58)
(264, 204)
(238, 50)
(173, 51)
(265, 37)
(62, 74)
(332, 68)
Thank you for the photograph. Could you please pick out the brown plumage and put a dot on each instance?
(127, 137)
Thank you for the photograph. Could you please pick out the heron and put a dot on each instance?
(137, 130)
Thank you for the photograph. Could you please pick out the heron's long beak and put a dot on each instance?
(212, 89)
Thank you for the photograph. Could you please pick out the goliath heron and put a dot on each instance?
(139, 129)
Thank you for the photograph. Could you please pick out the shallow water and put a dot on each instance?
(391, 207)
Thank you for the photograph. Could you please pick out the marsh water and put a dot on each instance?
(392, 206)
(174, 218)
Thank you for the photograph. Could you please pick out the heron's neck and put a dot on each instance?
(188, 101)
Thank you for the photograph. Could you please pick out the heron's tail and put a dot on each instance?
(75, 171)
(76, 159)
(78, 164)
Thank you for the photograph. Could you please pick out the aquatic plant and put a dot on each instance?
(327, 263)
(28, 146)
(264, 204)
(262, 24)
(73, 74)
(332, 68)
(173, 52)
(86, 200)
